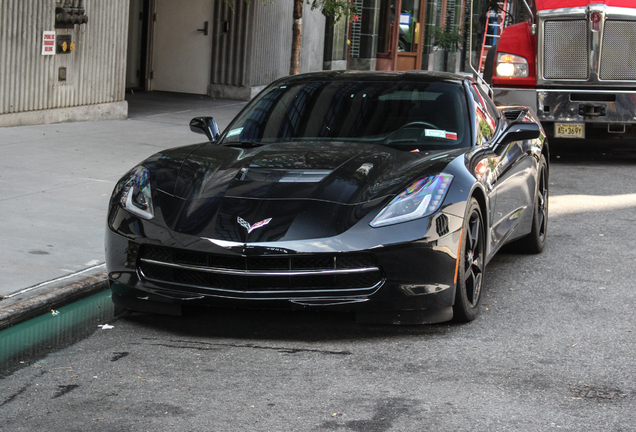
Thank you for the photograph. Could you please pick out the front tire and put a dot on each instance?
(472, 265)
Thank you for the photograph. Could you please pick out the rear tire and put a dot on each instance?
(534, 242)
(472, 265)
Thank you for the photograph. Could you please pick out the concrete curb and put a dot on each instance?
(15, 311)
(104, 111)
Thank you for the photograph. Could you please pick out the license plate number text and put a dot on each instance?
(569, 130)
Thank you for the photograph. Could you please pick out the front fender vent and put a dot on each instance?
(441, 223)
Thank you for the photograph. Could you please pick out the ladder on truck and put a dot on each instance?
(494, 28)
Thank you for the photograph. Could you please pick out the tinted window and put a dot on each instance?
(404, 115)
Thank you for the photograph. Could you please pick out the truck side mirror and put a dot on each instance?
(206, 126)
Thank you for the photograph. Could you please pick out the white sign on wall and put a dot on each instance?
(48, 43)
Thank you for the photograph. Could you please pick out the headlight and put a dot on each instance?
(136, 196)
(511, 66)
(420, 199)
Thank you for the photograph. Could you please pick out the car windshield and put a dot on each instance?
(407, 115)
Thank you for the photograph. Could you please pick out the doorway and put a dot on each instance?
(409, 50)
(182, 46)
(136, 55)
(400, 35)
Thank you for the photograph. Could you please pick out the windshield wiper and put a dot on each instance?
(244, 144)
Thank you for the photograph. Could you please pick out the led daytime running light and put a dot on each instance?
(421, 198)
(136, 196)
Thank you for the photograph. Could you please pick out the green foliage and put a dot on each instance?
(484, 129)
(337, 9)
(446, 39)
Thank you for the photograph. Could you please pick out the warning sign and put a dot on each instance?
(48, 43)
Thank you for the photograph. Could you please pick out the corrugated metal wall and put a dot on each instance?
(95, 70)
(271, 41)
(312, 47)
(252, 44)
(231, 32)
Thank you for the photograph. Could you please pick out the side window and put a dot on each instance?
(485, 122)
(490, 106)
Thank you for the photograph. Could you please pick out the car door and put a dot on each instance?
(512, 175)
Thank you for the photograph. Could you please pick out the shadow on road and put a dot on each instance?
(283, 325)
(597, 152)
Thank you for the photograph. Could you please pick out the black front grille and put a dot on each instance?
(313, 262)
(258, 263)
(328, 274)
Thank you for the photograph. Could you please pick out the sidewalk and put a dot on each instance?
(55, 182)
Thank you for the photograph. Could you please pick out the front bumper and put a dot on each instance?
(603, 112)
(586, 106)
(416, 274)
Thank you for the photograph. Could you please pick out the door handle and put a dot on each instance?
(205, 28)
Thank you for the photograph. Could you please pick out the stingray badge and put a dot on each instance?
(249, 227)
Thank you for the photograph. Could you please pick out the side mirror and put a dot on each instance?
(206, 126)
(521, 132)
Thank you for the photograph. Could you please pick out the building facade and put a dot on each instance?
(62, 60)
(70, 60)
(209, 47)
(396, 35)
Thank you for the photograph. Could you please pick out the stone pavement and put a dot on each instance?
(55, 182)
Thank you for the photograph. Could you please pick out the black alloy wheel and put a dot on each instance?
(472, 266)
(534, 242)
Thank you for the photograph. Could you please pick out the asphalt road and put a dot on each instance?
(554, 347)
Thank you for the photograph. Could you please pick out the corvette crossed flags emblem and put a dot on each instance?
(249, 227)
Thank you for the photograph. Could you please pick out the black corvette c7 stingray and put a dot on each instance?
(383, 193)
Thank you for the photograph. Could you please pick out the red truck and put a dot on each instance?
(574, 62)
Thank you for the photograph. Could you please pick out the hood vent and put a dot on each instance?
(283, 175)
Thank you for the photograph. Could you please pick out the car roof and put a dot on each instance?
(388, 76)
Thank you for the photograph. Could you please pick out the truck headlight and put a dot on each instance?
(511, 66)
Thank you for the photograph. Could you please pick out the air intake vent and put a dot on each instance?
(512, 115)
(283, 175)
(441, 223)
(296, 276)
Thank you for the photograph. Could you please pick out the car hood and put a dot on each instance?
(320, 187)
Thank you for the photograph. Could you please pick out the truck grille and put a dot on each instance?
(565, 50)
(244, 277)
(618, 61)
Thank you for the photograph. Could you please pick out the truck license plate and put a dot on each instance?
(569, 130)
